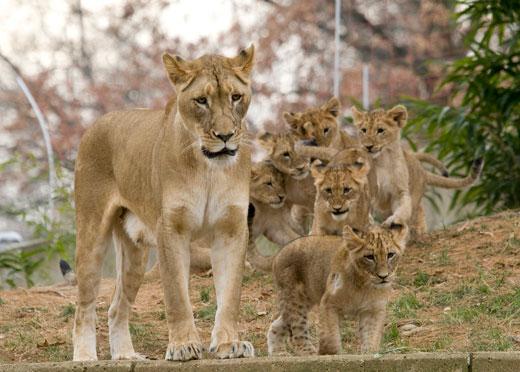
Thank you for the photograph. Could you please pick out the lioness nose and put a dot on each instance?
(369, 148)
(224, 136)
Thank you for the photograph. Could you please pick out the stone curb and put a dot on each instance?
(417, 362)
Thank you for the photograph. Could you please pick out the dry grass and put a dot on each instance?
(459, 288)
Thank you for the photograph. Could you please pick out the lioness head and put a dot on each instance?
(342, 181)
(317, 125)
(266, 185)
(376, 251)
(280, 148)
(213, 95)
(379, 128)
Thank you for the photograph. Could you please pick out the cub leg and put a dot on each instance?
(93, 240)
(131, 261)
(227, 260)
(401, 209)
(371, 330)
(277, 334)
(298, 321)
(330, 340)
(174, 254)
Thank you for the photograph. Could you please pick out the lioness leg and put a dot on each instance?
(93, 240)
(174, 254)
(227, 259)
(130, 266)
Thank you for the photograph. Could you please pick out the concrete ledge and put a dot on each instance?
(419, 362)
(495, 361)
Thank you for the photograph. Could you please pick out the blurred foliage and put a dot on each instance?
(483, 119)
(56, 227)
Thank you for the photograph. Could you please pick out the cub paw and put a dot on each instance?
(229, 350)
(184, 352)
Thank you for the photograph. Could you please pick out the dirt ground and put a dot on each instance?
(457, 290)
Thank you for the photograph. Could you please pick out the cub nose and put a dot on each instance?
(300, 167)
(382, 276)
(337, 209)
(223, 136)
(369, 148)
(281, 198)
(311, 142)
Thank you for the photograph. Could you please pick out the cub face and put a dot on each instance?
(379, 128)
(267, 185)
(376, 252)
(342, 181)
(280, 148)
(213, 95)
(317, 126)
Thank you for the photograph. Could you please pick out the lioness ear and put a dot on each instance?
(352, 236)
(399, 233)
(399, 114)
(244, 61)
(332, 107)
(177, 69)
(357, 115)
(291, 118)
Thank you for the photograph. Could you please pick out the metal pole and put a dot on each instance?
(366, 72)
(336, 48)
(46, 138)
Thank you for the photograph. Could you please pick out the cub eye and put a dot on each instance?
(380, 130)
(286, 154)
(201, 100)
(326, 130)
(390, 255)
(269, 183)
(236, 97)
(346, 190)
(364, 130)
(370, 257)
(328, 190)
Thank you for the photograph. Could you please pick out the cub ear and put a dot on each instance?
(357, 115)
(399, 233)
(399, 114)
(292, 118)
(317, 170)
(244, 61)
(266, 140)
(332, 107)
(352, 236)
(178, 69)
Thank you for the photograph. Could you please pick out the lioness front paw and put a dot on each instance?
(392, 220)
(184, 352)
(128, 356)
(237, 349)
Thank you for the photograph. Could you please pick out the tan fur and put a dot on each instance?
(163, 167)
(397, 180)
(347, 276)
(318, 126)
(299, 185)
(342, 195)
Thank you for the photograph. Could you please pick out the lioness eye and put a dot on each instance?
(364, 130)
(236, 97)
(390, 255)
(326, 130)
(380, 130)
(346, 190)
(370, 257)
(201, 100)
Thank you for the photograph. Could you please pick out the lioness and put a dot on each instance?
(398, 181)
(347, 276)
(181, 173)
(342, 195)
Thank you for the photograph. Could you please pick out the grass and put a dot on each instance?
(207, 312)
(421, 279)
(204, 294)
(68, 311)
(405, 306)
(2, 301)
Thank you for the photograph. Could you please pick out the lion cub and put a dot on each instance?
(342, 196)
(347, 276)
(318, 126)
(397, 180)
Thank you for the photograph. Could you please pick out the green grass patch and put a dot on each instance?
(492, 339)
(207, 312)
(421, 279)
(205, 294)
(406, 306)
(68, 311)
